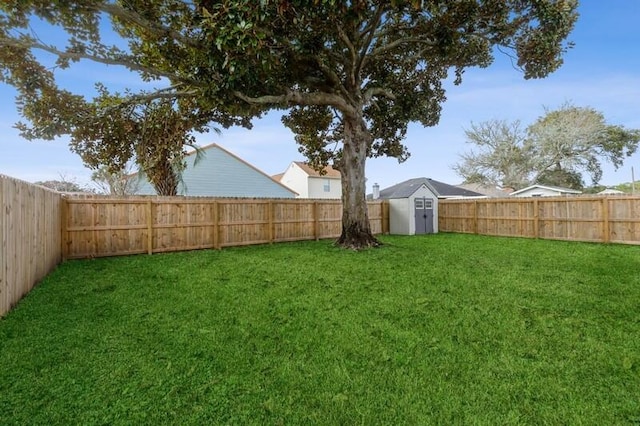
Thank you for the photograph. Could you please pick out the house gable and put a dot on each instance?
(219, 173)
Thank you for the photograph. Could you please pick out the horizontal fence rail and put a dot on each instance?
(30, 238)
(98, 226)
(607, 219)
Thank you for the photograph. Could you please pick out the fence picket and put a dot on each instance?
(31, 231)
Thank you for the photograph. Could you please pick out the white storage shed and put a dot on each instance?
(413, 208)
(413, 204)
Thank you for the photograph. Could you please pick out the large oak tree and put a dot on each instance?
(351, 75)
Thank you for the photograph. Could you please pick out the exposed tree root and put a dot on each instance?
(356, 238)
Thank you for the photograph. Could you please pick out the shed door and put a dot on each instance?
(424, 215)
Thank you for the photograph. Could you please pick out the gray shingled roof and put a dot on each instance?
(441, 189)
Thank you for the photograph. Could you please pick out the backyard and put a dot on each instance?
(440, 329)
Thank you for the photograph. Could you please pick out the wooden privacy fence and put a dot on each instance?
(96, 226)
(605, 219)
(30, 239)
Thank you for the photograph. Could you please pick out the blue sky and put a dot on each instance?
(602, 71)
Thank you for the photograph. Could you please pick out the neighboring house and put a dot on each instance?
(490, 191)
(544, 191)
(219, 173)
(610, 191)
(309, 183)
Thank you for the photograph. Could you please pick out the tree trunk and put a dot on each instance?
(164, 179)
(356, 229)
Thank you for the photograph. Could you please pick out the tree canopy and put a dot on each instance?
(557, 149)
(350, 75)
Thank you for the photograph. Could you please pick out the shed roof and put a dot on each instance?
(440, 189)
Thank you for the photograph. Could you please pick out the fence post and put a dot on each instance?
(536, 218)
(94, 232)
(149, 227)
(475, 216)
(316, 221)
(64, 209)
(216, 236)
(605, 220)
(385, 217)
(271, 224)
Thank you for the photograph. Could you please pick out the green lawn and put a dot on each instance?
(444, 329)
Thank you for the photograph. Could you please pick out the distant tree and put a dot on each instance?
(352, 75)
(555, 150)
(577, 140)
(120, 183)
(628, 187)
(593, 189)
(559, 177)
(64, 184)
(503, 156)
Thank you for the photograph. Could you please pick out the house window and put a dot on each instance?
(327, 185)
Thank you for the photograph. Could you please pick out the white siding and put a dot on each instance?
(398, 217)
(317, 184)
(296, 178)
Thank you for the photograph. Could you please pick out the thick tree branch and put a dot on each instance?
(369, 34)
(330, 74)
(353, 56)
(377, 91)
(166, 93)
(301, 99)
(382, 50)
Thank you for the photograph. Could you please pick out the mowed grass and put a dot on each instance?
(441, 329)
